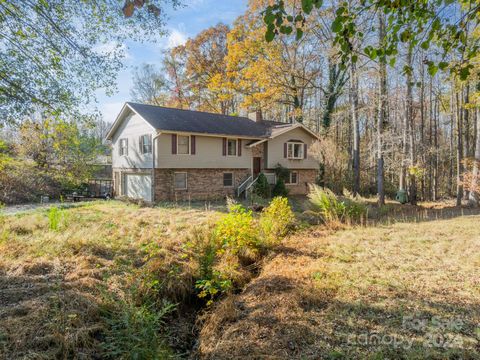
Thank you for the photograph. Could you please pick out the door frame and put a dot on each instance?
(259, 165)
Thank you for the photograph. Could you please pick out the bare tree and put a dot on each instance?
(149, 85)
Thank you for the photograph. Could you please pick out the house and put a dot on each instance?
(170, 154)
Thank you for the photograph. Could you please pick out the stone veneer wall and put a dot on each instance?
(202, 184)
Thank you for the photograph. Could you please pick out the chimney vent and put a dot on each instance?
(256, 116)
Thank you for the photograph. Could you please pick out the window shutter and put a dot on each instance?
(304, 151)
(224, 147)
(192, 144)
(174, 143)
(140, 144)
(126, 146)
(239, 147)
(285, 150)
(120, 147)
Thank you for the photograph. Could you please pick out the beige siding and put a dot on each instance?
(132, 128)
(275, 151)
(208, 155)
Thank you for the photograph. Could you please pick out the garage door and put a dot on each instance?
(138, 186)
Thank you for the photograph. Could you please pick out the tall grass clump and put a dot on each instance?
(136, 331)
(54, 215)
(332, 209)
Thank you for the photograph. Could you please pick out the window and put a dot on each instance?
(180, 180)
(295, 150)
(146, 144)
(292, 178)
(183, 144)
(227, 179)
(123, 147)
(231, 147)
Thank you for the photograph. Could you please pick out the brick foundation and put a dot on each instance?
(305, 177)
(207, 184)
(202, 184)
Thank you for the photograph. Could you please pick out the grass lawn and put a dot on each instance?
(58, 270)
(98, 280)
(406, 290)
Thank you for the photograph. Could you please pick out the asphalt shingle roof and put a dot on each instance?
(169, 119)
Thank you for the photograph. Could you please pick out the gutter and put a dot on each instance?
(153, 165)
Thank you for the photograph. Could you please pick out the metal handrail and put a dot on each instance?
(250, 187)
(251, 184)
(243, 184)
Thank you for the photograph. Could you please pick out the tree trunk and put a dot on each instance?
(459, 151)
(382, 108)
(474, 198)
(356, 127)
(411, 122)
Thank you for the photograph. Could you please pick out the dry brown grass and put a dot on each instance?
(349, 294)
(51, 281)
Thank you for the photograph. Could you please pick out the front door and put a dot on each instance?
(256, 166)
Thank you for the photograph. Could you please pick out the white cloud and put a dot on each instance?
(176, 38)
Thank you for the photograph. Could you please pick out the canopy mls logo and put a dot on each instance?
(437, 333)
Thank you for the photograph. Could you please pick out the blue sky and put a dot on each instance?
(181, 24)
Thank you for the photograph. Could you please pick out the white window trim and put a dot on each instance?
(302, 147)
(233, 179)
(186, 179)
(189, 144)
(290, 178)
(236, 147)
(149, 136)
(120, 147)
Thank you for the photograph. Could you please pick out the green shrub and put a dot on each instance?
(326, 205)
(262, 187)
(275, 221)
(236, 231)
(282, 173)
(280, 189)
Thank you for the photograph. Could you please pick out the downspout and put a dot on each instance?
(153, 166)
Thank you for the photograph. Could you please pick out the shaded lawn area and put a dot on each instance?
(404, 290)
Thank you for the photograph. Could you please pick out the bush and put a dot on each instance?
(282, 172)
(262, 187)
(275, 221)
(236, 232)
(326, 205)
(280, 189)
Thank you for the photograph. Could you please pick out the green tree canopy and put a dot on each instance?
(445, 23)
(54, 54)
